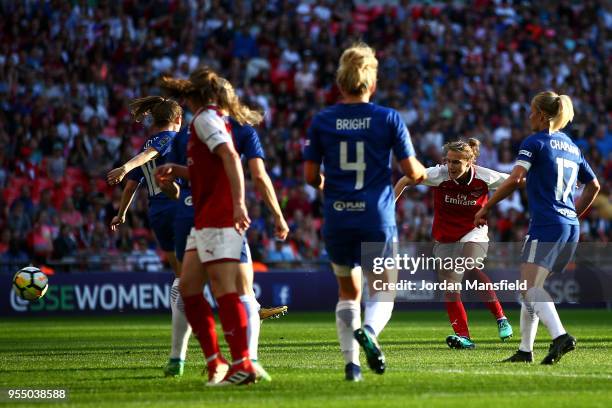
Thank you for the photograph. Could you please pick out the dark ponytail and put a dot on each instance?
(163, 110)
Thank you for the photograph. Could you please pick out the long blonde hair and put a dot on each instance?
(470, 148)
(205, 87)
(558, 109)
(357, 70)
(177, 88)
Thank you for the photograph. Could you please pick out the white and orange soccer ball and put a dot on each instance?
(30, 283)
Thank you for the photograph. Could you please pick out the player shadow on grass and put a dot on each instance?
(289, 344)
(94, 350)
(85, 369)
(123, 378)
(429, 342)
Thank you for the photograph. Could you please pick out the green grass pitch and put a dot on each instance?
(117, 361)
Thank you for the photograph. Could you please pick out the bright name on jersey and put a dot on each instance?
(424, 285)
(353, 124)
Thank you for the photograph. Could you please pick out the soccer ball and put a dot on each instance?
(30, 283)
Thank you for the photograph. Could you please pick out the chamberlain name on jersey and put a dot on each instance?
(210, 187)
(456, 203)
(354, 142)
(554, 164)
(162, 142)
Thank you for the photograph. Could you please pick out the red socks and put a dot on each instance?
(488, 296)
(456, 314)
(234, 321)
(200, 316)
(456, 311)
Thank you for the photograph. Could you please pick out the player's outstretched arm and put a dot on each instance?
(115, 176)
(266, 189)
(514, 181)
(413, 169)
(126, 199)
(312, 174)
(401, 185)
(588, 196)
(233, 169)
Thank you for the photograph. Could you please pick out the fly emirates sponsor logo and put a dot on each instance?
(460, 199)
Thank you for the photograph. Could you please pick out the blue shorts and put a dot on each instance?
(182, 228)
(162, 224)
(550, 246)
(344, 245)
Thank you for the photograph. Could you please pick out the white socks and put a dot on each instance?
(180, 327)
(348, 319)
(546, 311)
(544, 308)
(529, 327)
(253, 323)
(378, 311)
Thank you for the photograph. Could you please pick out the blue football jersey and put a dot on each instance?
(246, 140)
(354, 142)
(178, 155)
(247, 145)
(162, 142)
(554, 164)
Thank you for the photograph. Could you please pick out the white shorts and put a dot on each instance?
(215, 244)
(478, 235)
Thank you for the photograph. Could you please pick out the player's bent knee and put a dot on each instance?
(349, 295)
(344, 271)
(349, 281)
(537, 294)
(244, 280)
(222, 276)
(188, 288)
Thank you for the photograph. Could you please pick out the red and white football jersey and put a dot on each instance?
(456, 204)
(210, 187)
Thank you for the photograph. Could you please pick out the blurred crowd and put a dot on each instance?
(452, 69)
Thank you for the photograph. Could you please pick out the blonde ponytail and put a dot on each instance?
(357, 71)
(558, 109)
(206, 87)
(175, 87)
(228, 101)
(564, 115)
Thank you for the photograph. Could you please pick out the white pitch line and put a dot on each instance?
(540, 373)
(515, 373)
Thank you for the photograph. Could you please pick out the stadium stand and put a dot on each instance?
(68, 70)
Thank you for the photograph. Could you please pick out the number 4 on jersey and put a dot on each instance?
(359, 165)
